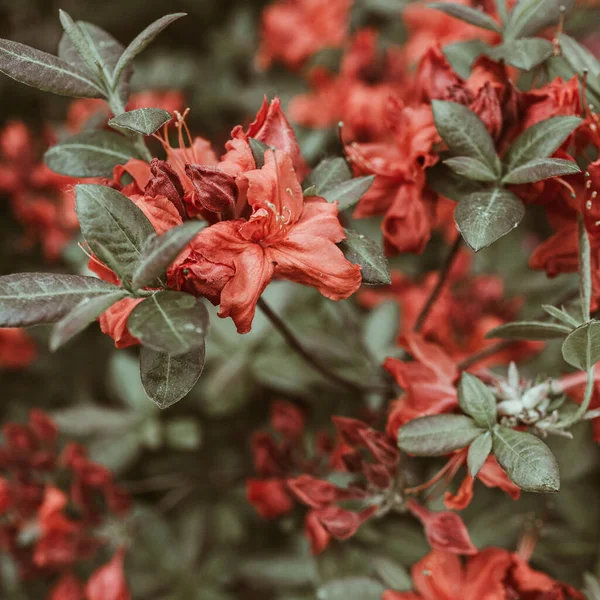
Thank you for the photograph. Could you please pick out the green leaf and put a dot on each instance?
(349, 192)
(329, 173)
(444, 181)
(592, 586)
(32, 298)
(530, 16)
(142, 40)
(436, 435)
(477, 400)
(258, 151)
(540, 169)
(393, 574)
(502, 10)
(527, 461)
(45, 72)
(106, 51)
(466, 13)
(478, 452)
(585, 269)
(464, 133)
(471, 168)
(540, 141)
(363, 251)
(462, 55)
(80, 44)
(170, 322)
(85, 313)
(561, 315)
(113, 226)
(141, 120)
(524, 54)
(579, 57)
(159, 252)
(90, 154)
(351, 588)
(167, 379)
(484, 217)
(581, 349)
(529, 330)
(183, 434)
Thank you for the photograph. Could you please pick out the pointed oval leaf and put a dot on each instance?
(443, 180)
(32, 298)
(170, 322)
(540, 141)
(523, 54)
(349, 192)
(469, 15)
(141, 120)
(484, 217)
(582, 346)
(363, 251)
(328, 174)
(471, 168)
(160, 251)
(80, 45)
(530, 16)
(166, 378)
(477, 400)
(561, 315)
(529, 330)
(540, 169)
(527, 461)
(85, 313)
(45, 72)
(90, 154)
(478, 452)
(578, 57)
(142, 40)
(464, 133)
(462, 55)
(113, 226)
(436, 435)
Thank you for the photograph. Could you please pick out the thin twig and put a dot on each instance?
(437, 290)
(314, 362)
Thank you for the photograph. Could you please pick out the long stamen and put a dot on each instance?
(450, 467)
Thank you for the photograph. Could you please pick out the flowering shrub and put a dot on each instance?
(372, 296)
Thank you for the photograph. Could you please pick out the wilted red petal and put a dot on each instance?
(165, 183)
(215, 190)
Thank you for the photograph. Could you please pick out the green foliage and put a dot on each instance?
(141, 120)
(529, 330)
(477, 400)
(468, 14)
(582, 346)
(361, 250)
(479, 450)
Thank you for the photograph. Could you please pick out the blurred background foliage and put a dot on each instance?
(193, 535)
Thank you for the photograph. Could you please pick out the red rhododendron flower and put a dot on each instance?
(270, 497)
(17, 349)
(108, 582)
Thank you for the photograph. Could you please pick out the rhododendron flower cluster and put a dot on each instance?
(349, 287)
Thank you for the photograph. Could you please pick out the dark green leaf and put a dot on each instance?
(467, 14)
(80, 44)
(167, 379)
(530, 16)
(349, 192)
(478, 452)
(524, 54)
(328, 174)
(471, 168)
(539, 141)
(363, 251)
(142, 40)
(31, 298)
(540, 169)
(484, 217)
(527, 461)
(462, 55)
(113, 226)
(477, 400)
(141, 120)
(582, 346)
(160, 251)
(85, 313)
(579, 57)
(443, 180)
(464, 133)
(529, 330)
(258, 152)
(351, 588)
(90, 154)
(45, 72)
(436, 435)
(170, 322)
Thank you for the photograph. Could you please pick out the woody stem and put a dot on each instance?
(439, 286)
(296, 345)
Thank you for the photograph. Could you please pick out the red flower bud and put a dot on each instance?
(315, 493)
(287, 419)
(216, 191)
(380, 447)
(445, 530)
(378, 475)
(108, 582)
(269, 497)
(343, 524)
(315, 532)
(350, 430)
(165, 183)
(43, 426)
